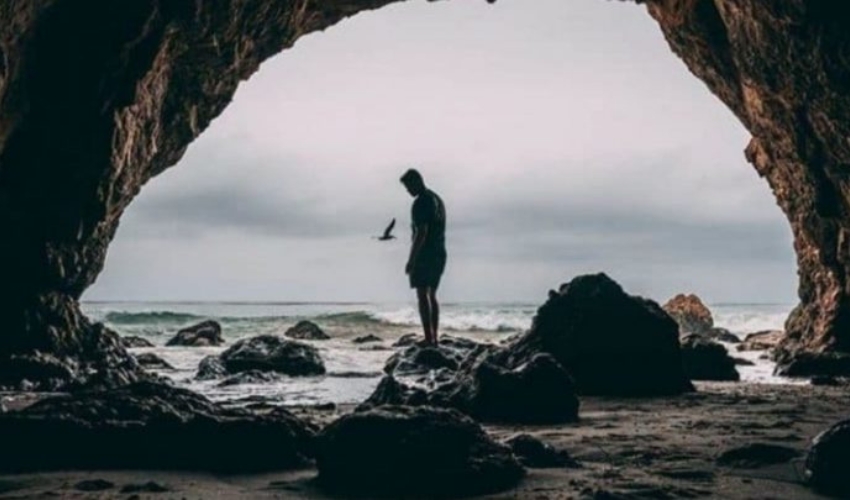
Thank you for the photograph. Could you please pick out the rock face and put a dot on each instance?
(761, 341)
(153, 426)
(827, 459)
(690, 313)
(401, 443)
(273, 354)
(704, 359)
(119, 106)
(809, 364)
(205, 333)
(306, 330)
(610, 342)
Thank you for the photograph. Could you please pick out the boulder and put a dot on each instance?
(151, 360)
(365, 339)
(536, 454)
(722, 335)
(207, 333)
(408, 339)
(761, 341)
(610, 342)
(689, 312)
(827, 459)
(249, 377)
(211, 368)
(132, 341)
(755, 455)
(402, 442)
(809, 364)
(272, 353)
(149, 425)
(705, 359)
(306, 330)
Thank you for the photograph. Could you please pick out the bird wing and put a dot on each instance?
(389, 229)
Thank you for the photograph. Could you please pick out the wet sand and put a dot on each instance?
(628, 448)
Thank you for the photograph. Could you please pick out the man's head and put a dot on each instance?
(412, 180)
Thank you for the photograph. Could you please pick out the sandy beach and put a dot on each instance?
(627, 448)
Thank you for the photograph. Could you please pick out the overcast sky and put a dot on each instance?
(564, 138)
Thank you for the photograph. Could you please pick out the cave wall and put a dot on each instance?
(97, 97)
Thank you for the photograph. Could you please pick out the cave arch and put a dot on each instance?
(97, 98)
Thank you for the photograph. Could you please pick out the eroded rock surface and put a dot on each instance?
(205, 333)
(149, 425)
(402, 442)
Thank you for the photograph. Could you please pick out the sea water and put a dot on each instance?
(355, 369)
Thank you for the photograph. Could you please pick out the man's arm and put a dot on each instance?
(420, 233)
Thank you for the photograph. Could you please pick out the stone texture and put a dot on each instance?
(205, 333)
(705, 359)
(151, 360)
(761, 341)
(402, 442)
(131, 342)
(690, 313)
(273, 354)
(610, 342)
(827, 459)
(306, 330)
(149, 426)
(119, 89)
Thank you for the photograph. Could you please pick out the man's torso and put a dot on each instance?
(428, 209)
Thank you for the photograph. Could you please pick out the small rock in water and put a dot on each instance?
(761, 341)
(536, 454)
(366, 339)
(407, 340)
(132, 341)
(250, 377)
(151, 360)
(94, 485)
(306, 330)
(272, 353)
(705, 359)
(756, 455)
(689, 312)
(743, 362)
(211, 368)
(207, 333)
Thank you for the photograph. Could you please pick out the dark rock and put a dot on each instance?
(250, 377)
(761, 341)
(692, 316)
(610, 342)
(827, 459)
(306, 330)
(417, 360)
(722, 335)
(402, 442)
(207, 333)
(825, 380)
(375, 347)
(131, 342)
(149, 426)
(148, 487)
(408, 339)
(539, 391)
(704, 359)
(366, 339)
(271, 353)
(211, 367)
(94, 485)
(756, 455)
(808, 364)
(534, 453)
(742, 362)
(151, 360)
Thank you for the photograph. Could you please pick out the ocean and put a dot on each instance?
(354, 370)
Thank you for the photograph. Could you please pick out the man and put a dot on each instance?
(427, 252)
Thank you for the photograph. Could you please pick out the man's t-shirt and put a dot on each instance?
(428, 209)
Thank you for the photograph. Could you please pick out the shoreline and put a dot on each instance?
(628, 447)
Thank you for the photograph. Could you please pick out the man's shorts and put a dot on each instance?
(428, 271)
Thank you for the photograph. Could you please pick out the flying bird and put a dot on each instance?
(387, 236)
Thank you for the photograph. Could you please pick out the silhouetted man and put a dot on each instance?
(427, 252)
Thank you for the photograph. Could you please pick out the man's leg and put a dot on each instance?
(435, 314)
(424, 297)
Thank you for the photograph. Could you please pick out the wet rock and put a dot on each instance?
(761, 341)
(403, 442)
(151, 360)
(417, 360)
(250, 377)
(131, 342)
(742, 362)
(692, 316)
(808, 364)
(94, 485)
(306, 330)
(534, 453)
(610, 342)
(271, 353)
(149, 426)
(148, 487)
(211, 367)
(722, 335)
(756, 455)
(827, 459)
(825, 380)
(365, 339)
(408, 339)
(704, 359)
(207, 333)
